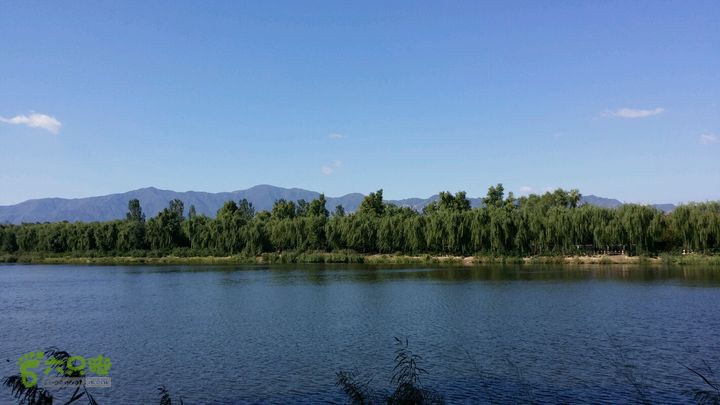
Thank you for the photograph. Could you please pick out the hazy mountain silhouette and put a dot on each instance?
(152, 200)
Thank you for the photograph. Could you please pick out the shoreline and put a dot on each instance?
(356, 258)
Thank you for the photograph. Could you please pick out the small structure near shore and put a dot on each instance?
(608, 250)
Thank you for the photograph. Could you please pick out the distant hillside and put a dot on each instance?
(114, 206)
(600, 201)
(613, 203)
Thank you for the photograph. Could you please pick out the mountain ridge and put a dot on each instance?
(114, 206)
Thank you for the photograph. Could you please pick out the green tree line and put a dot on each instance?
(549, 224)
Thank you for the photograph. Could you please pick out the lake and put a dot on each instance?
(279, 334)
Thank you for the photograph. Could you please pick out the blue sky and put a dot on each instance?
(619, 99)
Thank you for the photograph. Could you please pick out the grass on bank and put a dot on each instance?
(182, 256)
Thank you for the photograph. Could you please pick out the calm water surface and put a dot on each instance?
(279, 334)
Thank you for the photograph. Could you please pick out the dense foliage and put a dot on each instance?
(548, 224)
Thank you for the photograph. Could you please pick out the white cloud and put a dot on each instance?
(330, 168)
(633, 113)
(335, 135)
(707, 139)
(525, 190)
(35, 120)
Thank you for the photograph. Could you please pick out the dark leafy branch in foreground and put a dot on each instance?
(27, 396)
(407, 387)
(628, 370)
(548, 224)
(165, 398)
(36, 395)
(708, 395)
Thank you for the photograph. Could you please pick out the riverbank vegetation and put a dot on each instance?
(550, 227)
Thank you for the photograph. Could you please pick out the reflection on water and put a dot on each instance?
(227, 334)
(321, 273)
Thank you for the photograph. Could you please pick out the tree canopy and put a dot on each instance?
(547, 224)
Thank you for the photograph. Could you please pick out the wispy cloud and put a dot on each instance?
(526, 190)
(707, 139)
(633, 113)
(35, 120)
(331, 167)
(336, 135)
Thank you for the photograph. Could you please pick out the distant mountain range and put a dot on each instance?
(152, 200)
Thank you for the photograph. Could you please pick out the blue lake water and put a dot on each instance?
(279, 334)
